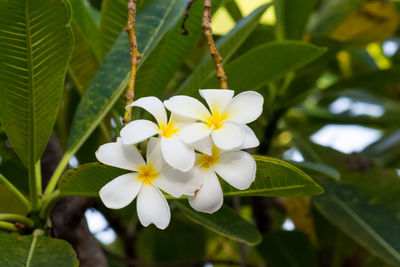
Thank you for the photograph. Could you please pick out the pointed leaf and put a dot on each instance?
(225, 222)
(276, 178)
(35, 46)
(372, 226)
(317, 168)
(266, 63)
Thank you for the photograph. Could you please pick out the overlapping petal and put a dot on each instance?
(153, 154)
(217, 99)
(154, 106)
(177, 154)
(250, 139)
(152, 207)
(138, 131)
(245, 107)
(209, 197)
(121, 191)
(238, 168)
(229, 136)
(186, 106)
(178, 183)
(204, 145)
(194, 132)
(118, 155)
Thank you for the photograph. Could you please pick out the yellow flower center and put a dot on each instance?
(147, 174)
(168, 130)
(216, 120)
(206, 161)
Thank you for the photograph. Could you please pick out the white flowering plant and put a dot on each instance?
(137, 132)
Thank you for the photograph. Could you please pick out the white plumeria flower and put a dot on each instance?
(145, 181)
(176, 153)
(225, 123)
(237, 168)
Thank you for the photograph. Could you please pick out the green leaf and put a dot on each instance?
(85, 22)
(225, 222)
(332, 14)
(379, 82)
(114, 14)
(35, 251)
(35, 46)
(372, 226)
(313, 168)
(9, 203)
(113, 75)
(266, 63)
(84, 62)
(233, 10)
(276, 178)
(227, 46)
(113, 17)
(284, 248)
(87, 47)
(292, 17)
(87, 179)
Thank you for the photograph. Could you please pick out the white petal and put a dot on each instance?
(204, 145)
(210, 197)
(180, 121)
(194, 132)
(153, 154)
(238, 168)
(187, 107)
(152, 207)
(154, 106)
(138, 131)
(229, 136)
(121, 191)
(217, 99)
(177, 154)
(245, 107)
(250, 139)
(177, 183)
(119, 155)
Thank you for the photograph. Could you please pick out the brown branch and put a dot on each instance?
(206, 25)
(186, 16)
(134, 58)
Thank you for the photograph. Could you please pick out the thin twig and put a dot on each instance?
(186, 16)
(134, 59)
(206, 25)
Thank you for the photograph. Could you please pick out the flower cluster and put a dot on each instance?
(191, 148)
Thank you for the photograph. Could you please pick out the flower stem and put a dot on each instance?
(17, 218)
(16, 192)
(217, 59)
(38, 175)
(48, 204)
(8, 226)
(57, 174)
(134, 59)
